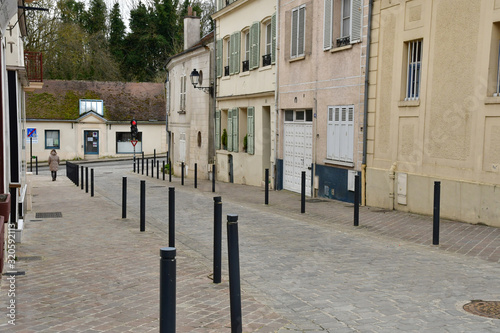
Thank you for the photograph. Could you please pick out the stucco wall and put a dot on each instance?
(451, 132)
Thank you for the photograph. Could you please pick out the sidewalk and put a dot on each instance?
(91, 271)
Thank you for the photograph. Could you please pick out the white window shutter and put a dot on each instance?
(220, 4)
(235, 129)
(295, 29)
(219, 58)
(328, 25)
(302, 31)
(230, 130)
(349, 157)
(356, 20)
(273, 43)
(330, 134)
(237, 48)
(217, 129)
(250, 130)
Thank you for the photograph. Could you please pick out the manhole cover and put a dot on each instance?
(48, 215)
(489, 309)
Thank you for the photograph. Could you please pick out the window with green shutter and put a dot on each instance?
(217, 129)
(234, 63)
(230, 130)
(254, 45)
(235, 121)
(273, 33)
(219, 58)
(250, 130)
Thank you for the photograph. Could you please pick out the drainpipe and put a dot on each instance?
(167, 98)
(276, 96)
(392, 177)
(365, 106)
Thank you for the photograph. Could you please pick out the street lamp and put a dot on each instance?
(197, 78)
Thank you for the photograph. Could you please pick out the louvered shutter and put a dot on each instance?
(232, 44)
(327, 25)
(250, 130)
(254, 45)
(220, 2)
(295, 27)
(273, 41)
(330, 134)
(230, 130)
(219, 58)
(235, 129)
(236, 47)
(217, 129)
(302, 28)
(356, 20)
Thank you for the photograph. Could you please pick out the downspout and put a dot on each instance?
(214, 97)
(365, 105)
(167, 98)
(276, 96)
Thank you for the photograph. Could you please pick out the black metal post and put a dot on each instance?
(154, 158)
(31, 154)
(303, 193)
(124, 197)
(169, 171)
(196, 175)
(213, 178)
(163, 169)
(147, 166)
(36, 164)
(143, 205)
(167, 289)
(171, 216)
(356, 200)
(267, 188)
(153, 169)
(435, 220)
(81, 174)
(217, 239)
(134, 164)
(91, 182)
(138, 171)
(86, 179)
(142, 163)
(234, 273)
(157, 169)
(182, 173)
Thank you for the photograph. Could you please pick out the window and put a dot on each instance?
(183, 93)
(251, 130)
(234, 58)
(246, 57)
(340, 133)
(342, 23)
(298, 115)
(228, 57)
(266, 58)
(232, 129)
(52, 139)
(413, 70)
(298, 31)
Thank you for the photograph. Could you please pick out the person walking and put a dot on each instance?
(53, 163)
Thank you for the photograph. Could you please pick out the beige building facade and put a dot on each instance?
(245, 118)
(321, 61)
(434, 108)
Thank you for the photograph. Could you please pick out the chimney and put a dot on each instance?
(192, 29)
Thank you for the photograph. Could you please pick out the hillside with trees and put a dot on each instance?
(92, 43)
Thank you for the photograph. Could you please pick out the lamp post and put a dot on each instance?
(197, 78)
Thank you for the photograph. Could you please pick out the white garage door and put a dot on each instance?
(298, 156)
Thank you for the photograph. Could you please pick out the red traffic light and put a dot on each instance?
(133, 122)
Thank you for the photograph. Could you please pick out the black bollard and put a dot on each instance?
(91, 182)
(152, 169)
(213, 178)
(196, 175)
(171, 216)
(143, 206)
(435, 219)
(167, 289)
(142, 164)
(147, 166)
(81, 176)
(142, 155)
(157, 169)
(303, 193)
(86, 179)
(163, 169)
(154, 159)
(217, 239)
(134, 164)
(266, 197)
(182, 173)
(170, 171)
(36, 164)
(356, 200)
(138, 171)
(234, 273)
(124, 197)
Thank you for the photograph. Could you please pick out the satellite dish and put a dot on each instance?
(200, 78)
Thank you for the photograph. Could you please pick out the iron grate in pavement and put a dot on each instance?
(489, 309)
(49, 215)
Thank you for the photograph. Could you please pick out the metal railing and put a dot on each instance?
(34, 66)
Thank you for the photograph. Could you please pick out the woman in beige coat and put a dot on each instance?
(53, 163)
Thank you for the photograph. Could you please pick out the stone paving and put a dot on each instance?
(92, 271)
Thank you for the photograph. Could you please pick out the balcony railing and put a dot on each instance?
(226, 70)
(266, 60)
(33, 63)
(343, 41)
(246, 65)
